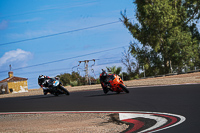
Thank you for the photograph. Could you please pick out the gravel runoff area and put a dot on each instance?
(62, 123)
(88, 122)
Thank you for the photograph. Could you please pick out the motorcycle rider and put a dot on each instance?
(104, 81)
(103, 76)
(51, 85)
(43, 82)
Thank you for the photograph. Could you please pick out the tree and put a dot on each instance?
(148, 60)
(127, 61)
(73, 79)
(131, 64)
(65, 78)
(114, 70)
(166, 28)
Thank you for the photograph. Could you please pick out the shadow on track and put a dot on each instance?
(109, 94)
(42, 97)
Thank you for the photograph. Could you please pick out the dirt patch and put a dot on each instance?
(198, 77)
(72, 123)
(166, 80)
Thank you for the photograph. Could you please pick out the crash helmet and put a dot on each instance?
(57, 78)
(41, 76)
(104, 74)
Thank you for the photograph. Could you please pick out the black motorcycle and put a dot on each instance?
(56, 88)
(52, 86)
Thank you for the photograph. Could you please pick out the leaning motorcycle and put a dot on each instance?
(114, 84)
(55, 87)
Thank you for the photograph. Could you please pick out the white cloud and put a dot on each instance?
(17, 58)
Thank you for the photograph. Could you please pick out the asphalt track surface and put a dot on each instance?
(183, 100)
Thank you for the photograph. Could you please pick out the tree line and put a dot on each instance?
(75, 79)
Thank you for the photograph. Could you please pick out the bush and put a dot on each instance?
(73, 83)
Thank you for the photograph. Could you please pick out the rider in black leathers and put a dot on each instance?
(43, 81)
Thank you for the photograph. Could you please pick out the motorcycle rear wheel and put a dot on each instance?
(55, 94)
(124, 88)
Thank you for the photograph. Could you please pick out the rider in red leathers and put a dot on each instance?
(104, 81)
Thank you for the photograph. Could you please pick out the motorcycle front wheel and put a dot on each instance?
(64, 90)
(105, 89)
(124, 88)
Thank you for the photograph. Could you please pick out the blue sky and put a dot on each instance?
(28, 19)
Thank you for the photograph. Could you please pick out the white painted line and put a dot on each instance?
(159, 120)
(182, 119)
(129, 115)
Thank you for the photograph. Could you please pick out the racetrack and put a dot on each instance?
(175, 99)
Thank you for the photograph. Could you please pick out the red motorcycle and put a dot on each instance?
(113, 83)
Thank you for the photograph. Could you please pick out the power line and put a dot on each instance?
(44, 71)
(91, 27)
(32, 84)
(42, 10)
(59, 69)
(66, 58)
(35, 85)
(116, 61)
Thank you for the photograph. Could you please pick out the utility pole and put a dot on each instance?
(10, 67)
(86, 70)
(144, 71)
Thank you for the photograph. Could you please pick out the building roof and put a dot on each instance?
(13, 78)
